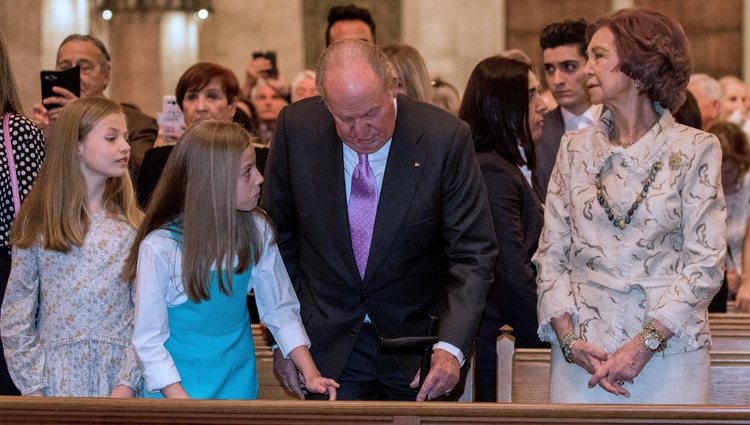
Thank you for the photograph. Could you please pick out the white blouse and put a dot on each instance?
(159, 286)
(667, 264)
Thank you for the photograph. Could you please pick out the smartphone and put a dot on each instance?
(271, 56)
(69, 79)
(170, 119)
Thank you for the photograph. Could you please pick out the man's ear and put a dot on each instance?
(107, 73)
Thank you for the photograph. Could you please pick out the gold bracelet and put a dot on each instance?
(567, 345)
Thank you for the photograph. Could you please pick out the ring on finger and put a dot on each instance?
(621, 382)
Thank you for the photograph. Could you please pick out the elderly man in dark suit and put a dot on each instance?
(564, 51)
(380, 231)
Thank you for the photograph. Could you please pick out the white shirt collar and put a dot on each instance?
(586, 119)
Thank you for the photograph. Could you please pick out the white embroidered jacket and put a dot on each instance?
(667, 264)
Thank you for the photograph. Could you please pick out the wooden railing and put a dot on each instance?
(28, 410)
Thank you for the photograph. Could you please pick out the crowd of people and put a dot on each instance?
(605, 226)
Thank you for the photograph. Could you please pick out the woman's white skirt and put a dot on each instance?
(675, 379)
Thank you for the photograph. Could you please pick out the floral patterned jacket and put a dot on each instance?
(666, 264)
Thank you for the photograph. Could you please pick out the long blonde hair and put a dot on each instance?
(56, 209)
(197, 194)
(411, 70)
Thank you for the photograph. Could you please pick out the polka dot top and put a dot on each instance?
(28, 153)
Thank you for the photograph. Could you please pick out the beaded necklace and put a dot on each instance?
(601, 189)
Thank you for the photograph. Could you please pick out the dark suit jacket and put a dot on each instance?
(546, 149)
(432, 252)
(142, 132)
(518, 217)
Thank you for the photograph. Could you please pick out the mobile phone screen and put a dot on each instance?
(69, 79)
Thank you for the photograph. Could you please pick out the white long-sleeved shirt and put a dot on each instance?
(159, 286)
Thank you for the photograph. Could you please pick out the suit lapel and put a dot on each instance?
(402, 174)
(329, 173)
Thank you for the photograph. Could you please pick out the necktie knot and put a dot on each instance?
(363, 159)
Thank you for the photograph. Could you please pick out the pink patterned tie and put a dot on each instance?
(362, 206)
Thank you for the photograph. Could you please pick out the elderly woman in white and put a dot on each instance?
(633, 244)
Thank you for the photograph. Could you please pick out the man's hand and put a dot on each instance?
(443, 376)
(287, 372)
(257, 68)
(44, 117)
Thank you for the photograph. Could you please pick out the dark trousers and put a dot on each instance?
(369, 375)
(6, 383)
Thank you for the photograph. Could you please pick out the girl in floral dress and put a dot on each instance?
(67, 316)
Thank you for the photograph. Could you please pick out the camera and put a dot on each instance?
(273, 73)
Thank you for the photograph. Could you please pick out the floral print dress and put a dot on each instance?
(666, 264)
(67, 318)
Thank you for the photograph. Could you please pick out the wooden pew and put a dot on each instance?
(269, 386)
(730, 340)
(720, 319)
(259, 337)
(730, 331)
(34, 410)
(523, 375)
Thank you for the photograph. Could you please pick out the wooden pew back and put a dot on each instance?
(36, 410)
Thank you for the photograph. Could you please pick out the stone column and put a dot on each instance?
(453, 36)
(135, 50)
(239, 27)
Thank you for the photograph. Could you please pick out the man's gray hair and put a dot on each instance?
(301, 76)
(706, 85)
(344, 53)
(104, 58)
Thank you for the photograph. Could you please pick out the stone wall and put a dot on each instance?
(452, 35)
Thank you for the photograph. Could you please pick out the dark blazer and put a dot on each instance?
(431, 252)
(142, 132)
(518, 217)
(546, 149)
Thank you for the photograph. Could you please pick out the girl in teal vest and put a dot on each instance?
(202, 246)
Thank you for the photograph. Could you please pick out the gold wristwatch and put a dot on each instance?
(653, 340)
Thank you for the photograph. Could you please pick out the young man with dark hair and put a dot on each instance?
(564, 51)
(350, 21)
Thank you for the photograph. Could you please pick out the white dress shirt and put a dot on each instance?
(159, 286)
(586, 119)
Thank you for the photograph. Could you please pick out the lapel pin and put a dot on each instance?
(417, 164)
